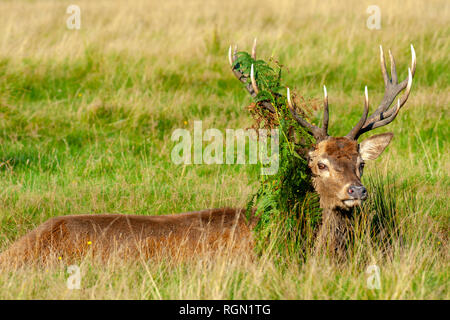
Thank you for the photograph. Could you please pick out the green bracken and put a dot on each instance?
(286, 204)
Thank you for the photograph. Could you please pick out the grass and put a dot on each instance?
(86, 118)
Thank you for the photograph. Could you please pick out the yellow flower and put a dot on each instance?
(59, 258)
(89, 243)
(185, 123)
(80, 94)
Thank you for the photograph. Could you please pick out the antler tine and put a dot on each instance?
(288, 95)
(383, 115)
(252, 70)
(325, 111)
(354, 132)
(232, 56)
(299, 119)
(405, 82)
(318, 133)
(252, 79)
(413, 60)
(383, 67)
(393, 68)
(254, 49)
(251, 87)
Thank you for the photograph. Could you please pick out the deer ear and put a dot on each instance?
(372, 147)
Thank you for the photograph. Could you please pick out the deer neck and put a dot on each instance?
(334, 230)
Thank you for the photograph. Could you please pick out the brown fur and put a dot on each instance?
(341, 155)
(342, 158)
(71, 237)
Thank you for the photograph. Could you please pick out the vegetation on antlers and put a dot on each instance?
(286, 202)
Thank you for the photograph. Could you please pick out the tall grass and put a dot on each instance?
(86, 117)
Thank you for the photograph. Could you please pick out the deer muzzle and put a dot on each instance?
(357, 192)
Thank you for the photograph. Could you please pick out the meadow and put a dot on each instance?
(86, 118)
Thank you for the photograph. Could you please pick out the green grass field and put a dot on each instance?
(86, 118)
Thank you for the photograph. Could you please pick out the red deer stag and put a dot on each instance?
(336, 165)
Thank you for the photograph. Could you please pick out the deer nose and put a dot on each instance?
(357, 192)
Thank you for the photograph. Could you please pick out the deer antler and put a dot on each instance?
(319, 133)
(251, 87)
(354, 132)
(383, 115)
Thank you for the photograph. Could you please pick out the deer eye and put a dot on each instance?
(321, 166)
(361, 166)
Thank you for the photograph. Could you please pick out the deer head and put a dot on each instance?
(337, 163)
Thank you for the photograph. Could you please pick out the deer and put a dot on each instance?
(336, 166)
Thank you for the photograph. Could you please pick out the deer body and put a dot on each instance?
(68, 237)
(336, 166)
